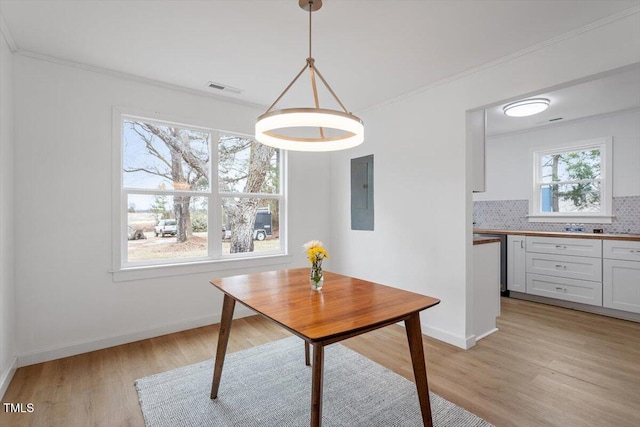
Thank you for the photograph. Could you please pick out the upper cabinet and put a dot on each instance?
(476, 134)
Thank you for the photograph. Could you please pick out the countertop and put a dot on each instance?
(628, 237)
(482, 240)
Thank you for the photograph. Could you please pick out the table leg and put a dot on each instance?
(223, 338)
(414, 336)
(307, 359)
(316, 385)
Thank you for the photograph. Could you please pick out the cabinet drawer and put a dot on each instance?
(621, 249)
(571, 267)
(566, 289)
(621, 285)
(564, 246)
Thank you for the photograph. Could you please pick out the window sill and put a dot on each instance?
(564, 218)
(180, 269)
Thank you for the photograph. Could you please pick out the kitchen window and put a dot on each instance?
(573, 183)
(194, 196)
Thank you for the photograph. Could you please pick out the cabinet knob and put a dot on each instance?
(562, 267)
(561, 247)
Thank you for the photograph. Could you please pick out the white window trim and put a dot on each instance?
(605, 145)
(123, 271)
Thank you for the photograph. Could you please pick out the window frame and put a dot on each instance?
(124, 270)
(605, 145)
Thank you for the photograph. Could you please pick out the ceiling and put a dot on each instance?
(369, 51)
(606, 94)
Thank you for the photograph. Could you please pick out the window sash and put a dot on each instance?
(604, 183)
(579, 181)
(213, 195)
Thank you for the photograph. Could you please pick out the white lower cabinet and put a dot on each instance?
(565, 246)
(621, 275)
(565, 268)
(581, 291)
(621, 249)
(571, 267)
(621, 285)
(603, 273)
(516, 264)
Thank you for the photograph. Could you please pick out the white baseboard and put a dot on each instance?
(86, 346)
(612, 312)
(479, 337)
(449, 338)
(7, 376)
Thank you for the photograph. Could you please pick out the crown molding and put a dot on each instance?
(4, 29)
(550, 42)
(133, 77)
(568, 35)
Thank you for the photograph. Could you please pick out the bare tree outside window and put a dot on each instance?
(180, 157)
(166, 175)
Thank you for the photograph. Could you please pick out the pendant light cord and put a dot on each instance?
(310, 7)
(313, 70)
(310, 62)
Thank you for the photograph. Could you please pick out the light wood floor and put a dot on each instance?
(546, 366)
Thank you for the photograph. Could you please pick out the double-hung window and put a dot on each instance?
(189, 195)
(573, 183)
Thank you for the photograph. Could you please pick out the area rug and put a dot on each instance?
(270, 385)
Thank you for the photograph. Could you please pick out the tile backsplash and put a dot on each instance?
(512, 215)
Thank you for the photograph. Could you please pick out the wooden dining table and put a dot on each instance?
(344, 308)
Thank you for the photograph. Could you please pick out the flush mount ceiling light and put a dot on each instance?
(526, 107)
(289, 128)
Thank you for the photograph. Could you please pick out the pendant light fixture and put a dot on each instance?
(290, 128)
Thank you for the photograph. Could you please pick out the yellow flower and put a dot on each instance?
(315, 252)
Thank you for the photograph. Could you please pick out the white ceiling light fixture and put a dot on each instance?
(526, 107)
(288, 128)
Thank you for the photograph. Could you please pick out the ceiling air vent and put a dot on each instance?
(224, 88)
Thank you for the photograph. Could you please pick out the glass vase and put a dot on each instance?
(316, 279)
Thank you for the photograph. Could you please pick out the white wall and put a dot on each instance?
(423, 214)
(509, 157)
(7, 285)
(67, 301)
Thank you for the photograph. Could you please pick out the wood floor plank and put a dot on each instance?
(546, 366)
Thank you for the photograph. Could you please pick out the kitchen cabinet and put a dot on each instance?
(595, 274)
(475, 135)
(565, 246)
(571, 267)
(582, 291)
(516, 263)
(564, 268)
(621, 275)
(621, 249)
